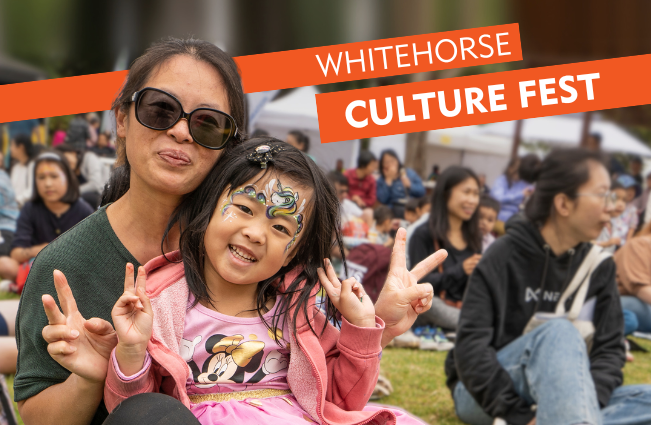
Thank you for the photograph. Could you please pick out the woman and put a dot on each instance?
(397, 183)
(88, 169)
(157, 169)
(548, 375)
(163, 157)
(512, 187)
(54, 209)
(634, 279)
(22, 151)
(453, 225)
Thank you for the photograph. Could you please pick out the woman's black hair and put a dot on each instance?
(301, 138)
(72, 193)
(232, 171)
(139, 73)
(389, 152)
(63, 148)
(25, 141)
(562, 171)
(439, 222)
(365, 158)
(528, 167)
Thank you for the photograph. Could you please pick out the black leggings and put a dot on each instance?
(151, 409)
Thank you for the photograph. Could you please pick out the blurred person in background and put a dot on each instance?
(59, 135)
(88, 170)
(423, 206)
(382, 223)
(22, 171)
(635, 168)
(616, 232)
(498, 371)
(641, 201)
(93, 126)
(300, 141)
(361, 183)
(634, 279)
(593, 143)
(489, 207)
(483, 187)
(103, 147)
(78, 134)
(512, 188)
(9, 212)
(630, 215)
(454, 226)
(397, 183)
(434, 174)
(55, 208)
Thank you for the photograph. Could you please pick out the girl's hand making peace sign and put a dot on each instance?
(348, 297)
(133, 318)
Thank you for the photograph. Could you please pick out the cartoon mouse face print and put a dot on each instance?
(230, 359)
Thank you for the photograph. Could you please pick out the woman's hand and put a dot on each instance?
(470, 263)
(405, 180)
(348, 297)
(81, 346)
(133, 318)
(402, 298)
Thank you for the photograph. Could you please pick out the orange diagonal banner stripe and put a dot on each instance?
(481, 99)
(280, 70)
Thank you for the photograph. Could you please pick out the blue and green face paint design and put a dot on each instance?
(284, 202)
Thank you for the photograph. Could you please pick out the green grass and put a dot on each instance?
(419, 381)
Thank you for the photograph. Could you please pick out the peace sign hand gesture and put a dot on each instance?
(402, 298)
(79, 345)
(348, 297)
(133, 318)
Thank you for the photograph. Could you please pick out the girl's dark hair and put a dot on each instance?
(72, 194)
(439, 222)
(389, 152)
(232, 171)
(528, 166)
(301, 138)
(63, 148)
(140, 71)
(26, 141)
(562, 171)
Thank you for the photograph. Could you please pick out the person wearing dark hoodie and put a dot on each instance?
(548, 375)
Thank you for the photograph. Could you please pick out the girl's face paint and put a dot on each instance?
(280, 201)
(51, 181)
(252, 237)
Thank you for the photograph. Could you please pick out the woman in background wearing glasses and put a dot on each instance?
(163, 155)
(548, 375)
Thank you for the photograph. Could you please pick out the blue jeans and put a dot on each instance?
(642, 311)
(550, 367)
(631, 324)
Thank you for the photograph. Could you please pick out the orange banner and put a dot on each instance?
(481, 99)
(280, 70)
(60, 96)
(380, 58)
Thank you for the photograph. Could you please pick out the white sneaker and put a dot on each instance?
(5, 285)
(431, 344)
(406, 340)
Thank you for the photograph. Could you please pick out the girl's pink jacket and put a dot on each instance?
(332, 375)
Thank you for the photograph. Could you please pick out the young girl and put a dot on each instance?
(234, 333)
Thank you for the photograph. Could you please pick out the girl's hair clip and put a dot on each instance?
(264, 153)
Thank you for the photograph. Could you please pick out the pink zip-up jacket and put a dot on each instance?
(331, 375)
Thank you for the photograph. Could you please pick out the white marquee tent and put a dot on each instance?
(297, 111)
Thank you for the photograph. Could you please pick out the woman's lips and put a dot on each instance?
(175, 157)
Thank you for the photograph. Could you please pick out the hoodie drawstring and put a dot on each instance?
(547, 248)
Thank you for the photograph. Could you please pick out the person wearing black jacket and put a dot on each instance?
(453, 225)
(547, 376)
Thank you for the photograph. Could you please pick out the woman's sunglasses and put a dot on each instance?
(159, 110)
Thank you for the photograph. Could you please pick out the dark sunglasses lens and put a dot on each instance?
(158, 110)
(210, 128)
